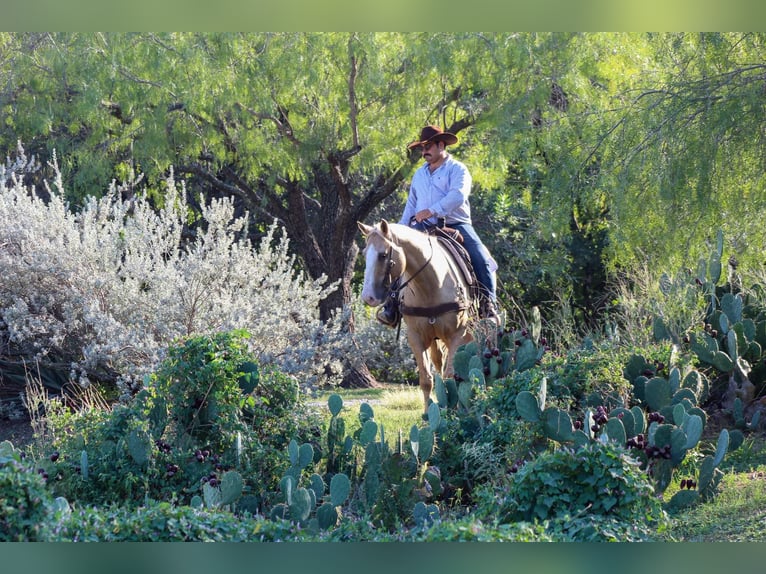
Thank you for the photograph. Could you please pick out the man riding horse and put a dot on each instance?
(439, 193)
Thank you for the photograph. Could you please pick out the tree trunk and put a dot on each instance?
(358, 377)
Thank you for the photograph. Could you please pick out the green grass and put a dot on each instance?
(738, 513)
(396, 407)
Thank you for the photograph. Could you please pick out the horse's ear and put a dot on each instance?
(365, 229)
(384, 227)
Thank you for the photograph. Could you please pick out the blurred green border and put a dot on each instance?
(381, 558)
(393, 15)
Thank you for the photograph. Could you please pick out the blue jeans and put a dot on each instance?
(479, 258)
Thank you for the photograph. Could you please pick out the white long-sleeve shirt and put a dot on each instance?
(445, 192)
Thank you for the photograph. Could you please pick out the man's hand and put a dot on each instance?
(423, 214)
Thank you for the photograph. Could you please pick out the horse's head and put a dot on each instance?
(384, 262)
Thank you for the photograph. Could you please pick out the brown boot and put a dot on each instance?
(489, 311)
(388, 313)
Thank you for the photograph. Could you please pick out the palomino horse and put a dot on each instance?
(435, 298)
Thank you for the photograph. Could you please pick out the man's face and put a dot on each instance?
(431, 152)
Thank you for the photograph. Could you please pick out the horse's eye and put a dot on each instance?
(383, 256)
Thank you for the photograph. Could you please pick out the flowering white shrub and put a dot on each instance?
(107, 289)
(17, 166)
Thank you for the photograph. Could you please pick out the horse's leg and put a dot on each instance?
(452, 346)
(423, 360)
(437, 356)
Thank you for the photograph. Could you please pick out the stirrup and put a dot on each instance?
(387, 314)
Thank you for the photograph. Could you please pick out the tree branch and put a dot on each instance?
(282, 123)
(352, 103)
(241, 190)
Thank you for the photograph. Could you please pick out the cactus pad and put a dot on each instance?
(340, 488)
(335, 404)
(657, 393)
(558, 424)
(231, 487)
(528, 407)
(327, 516)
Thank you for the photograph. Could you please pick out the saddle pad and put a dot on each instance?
(462, 259)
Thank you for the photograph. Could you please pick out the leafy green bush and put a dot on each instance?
(600, 528)
(598, 479)
(209, 408)
(195, 394)
(24, 500)
(165, 522)
(591, 375)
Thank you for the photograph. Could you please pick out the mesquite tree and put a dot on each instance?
(581, 145)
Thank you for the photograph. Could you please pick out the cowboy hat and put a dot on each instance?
(433, 133)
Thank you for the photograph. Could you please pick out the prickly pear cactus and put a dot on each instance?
(139, 446)
(424, 514)
(528, 407)
(231, 487)
(340, 488)
(327, 516)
